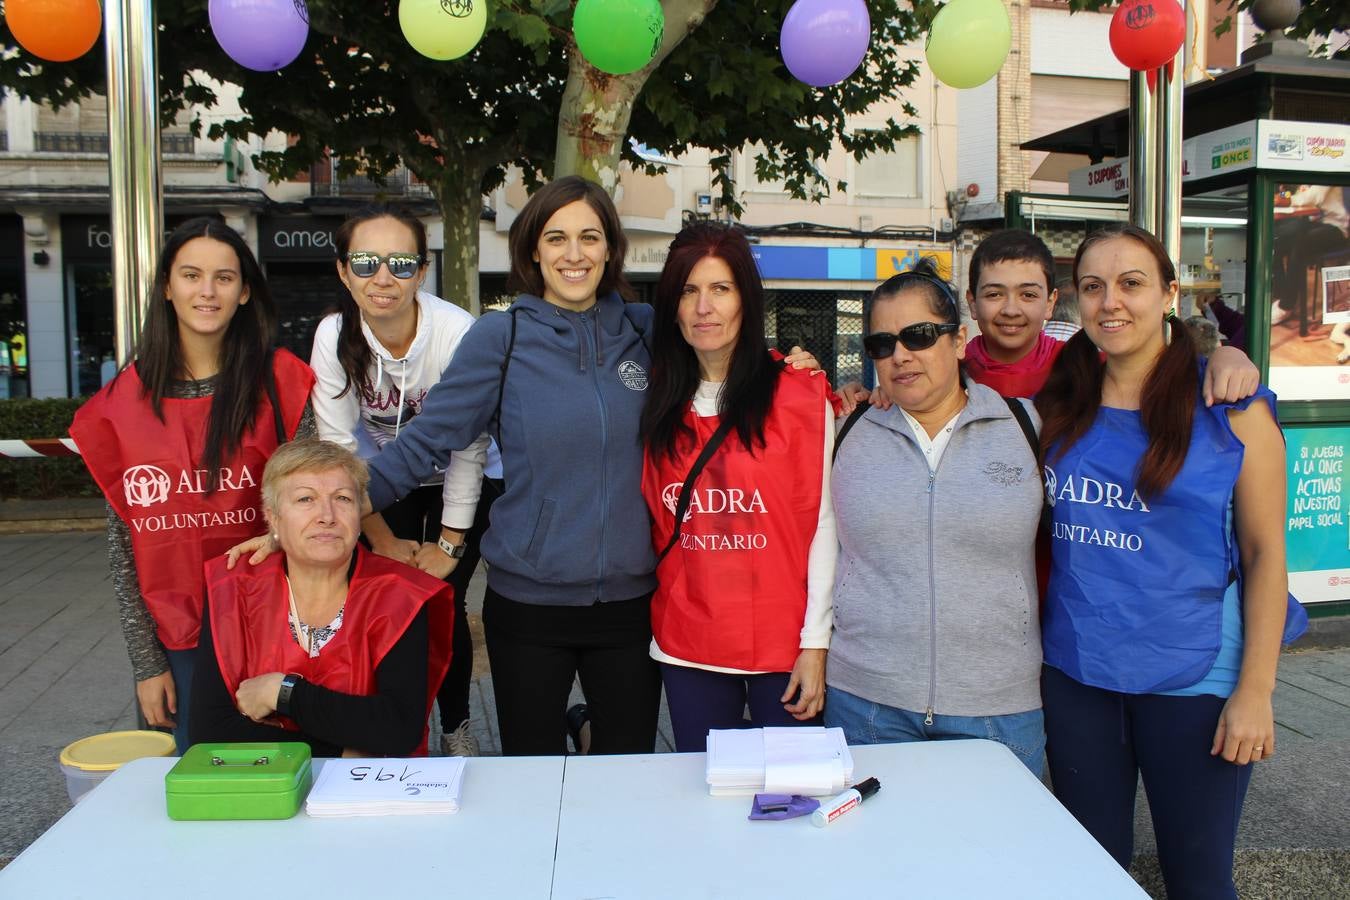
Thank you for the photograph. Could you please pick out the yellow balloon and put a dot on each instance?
(968, 42)
(443, 29)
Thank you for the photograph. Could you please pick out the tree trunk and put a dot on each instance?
(597, 107)
(460, 195)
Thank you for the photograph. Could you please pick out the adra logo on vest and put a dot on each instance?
(712, 500)
(1082, 489)
(147, 485)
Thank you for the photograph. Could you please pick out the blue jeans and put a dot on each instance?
(865, 722)
(181, 664)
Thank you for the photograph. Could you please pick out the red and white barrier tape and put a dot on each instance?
(38, 448)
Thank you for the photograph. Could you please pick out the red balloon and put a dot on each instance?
(1146, 34)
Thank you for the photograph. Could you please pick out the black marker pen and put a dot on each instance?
(833, 809)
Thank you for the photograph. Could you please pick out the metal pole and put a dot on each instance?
(1143, 153)
(134, 185)
(1168, 197)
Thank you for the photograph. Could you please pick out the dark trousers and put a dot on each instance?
(537, 651)
(700, 701)
(1099, 742)
(417, 517)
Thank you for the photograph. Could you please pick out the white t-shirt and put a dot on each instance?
(365, 424)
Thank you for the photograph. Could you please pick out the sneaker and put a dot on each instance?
(459, 742)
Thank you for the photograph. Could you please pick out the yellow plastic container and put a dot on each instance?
(90, 760)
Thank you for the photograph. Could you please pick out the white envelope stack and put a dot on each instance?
(387, 787)
(812, 761)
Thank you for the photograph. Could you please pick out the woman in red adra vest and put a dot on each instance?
(742, 611)
(323, 642)
(177, 442)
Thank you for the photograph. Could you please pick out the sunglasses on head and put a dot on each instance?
(364, 263)
(919, 336)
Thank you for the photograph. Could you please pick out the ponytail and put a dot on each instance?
(1069, 401)
(353, 351)
(1167, 408)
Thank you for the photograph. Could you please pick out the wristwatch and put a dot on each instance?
(288, 683)
(454, 551)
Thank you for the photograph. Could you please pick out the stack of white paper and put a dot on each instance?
(812, 761)
(385, 787)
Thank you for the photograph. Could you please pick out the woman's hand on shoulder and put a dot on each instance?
(430, 558)
(257, 696)
(802, 359)
(808, 676)
(1230, 376)
(397, 549)
(258, 549)
(852, 394)
(1246, 730)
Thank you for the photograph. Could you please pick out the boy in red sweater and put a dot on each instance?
(1011, 295)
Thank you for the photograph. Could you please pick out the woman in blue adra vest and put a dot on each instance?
(1168, 592)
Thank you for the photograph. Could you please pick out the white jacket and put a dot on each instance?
(365, 425)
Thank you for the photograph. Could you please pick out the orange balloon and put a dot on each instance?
(54, 30)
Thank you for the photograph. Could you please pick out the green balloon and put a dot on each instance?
(968, 41)
(618, 36)
(443, 29)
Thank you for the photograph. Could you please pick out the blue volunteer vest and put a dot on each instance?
(1135, 602)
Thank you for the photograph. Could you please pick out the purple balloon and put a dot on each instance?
(262, 35)
(824, 41)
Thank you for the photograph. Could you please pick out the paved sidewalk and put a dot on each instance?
(64, 675)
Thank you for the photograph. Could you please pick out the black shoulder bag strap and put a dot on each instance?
(270, 382)
(687, 490)
(858, 412)
(1020, 414)
(501, 383)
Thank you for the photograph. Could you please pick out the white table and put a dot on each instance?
(119, 842)
(953, 819)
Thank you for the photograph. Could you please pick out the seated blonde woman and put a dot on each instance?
(323, 642)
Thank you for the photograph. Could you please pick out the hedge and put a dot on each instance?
(42, 478)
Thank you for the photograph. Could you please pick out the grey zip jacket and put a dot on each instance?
(935, 605)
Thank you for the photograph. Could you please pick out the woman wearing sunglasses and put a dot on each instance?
(741, 615)
(376, 358)
(937, 501)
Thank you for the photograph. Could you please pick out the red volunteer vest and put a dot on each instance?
(148, 471)
(732, 592)
(252, 635)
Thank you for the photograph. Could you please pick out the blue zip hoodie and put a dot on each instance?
(572, 527)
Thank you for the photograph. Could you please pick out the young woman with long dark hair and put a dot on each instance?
(742, 608)
(1168, 594)
(177, 442)
(376, 358)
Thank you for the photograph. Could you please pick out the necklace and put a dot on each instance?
(303, 636)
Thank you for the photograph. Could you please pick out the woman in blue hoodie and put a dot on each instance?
(559, 380)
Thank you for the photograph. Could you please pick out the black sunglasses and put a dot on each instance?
(919, 336)
(365, 264)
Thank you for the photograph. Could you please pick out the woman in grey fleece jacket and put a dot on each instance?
(937, 501)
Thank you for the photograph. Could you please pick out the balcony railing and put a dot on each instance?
(325, 182)
(96, 142)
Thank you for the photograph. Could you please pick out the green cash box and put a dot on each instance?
(239, 781)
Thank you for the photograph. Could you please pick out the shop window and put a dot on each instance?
(1310, 292)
